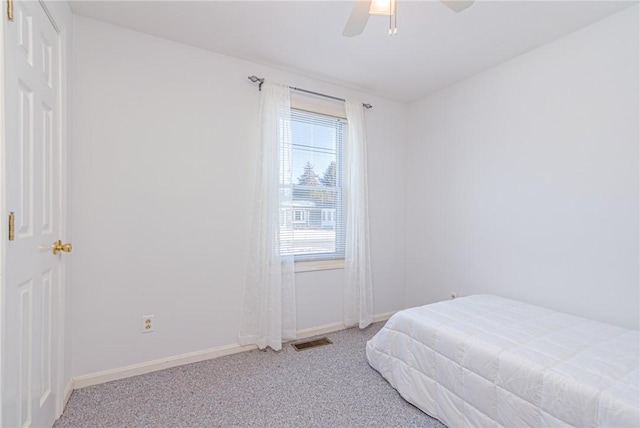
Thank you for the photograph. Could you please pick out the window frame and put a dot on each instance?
(334, 260)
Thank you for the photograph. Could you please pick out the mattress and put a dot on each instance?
(487, 361)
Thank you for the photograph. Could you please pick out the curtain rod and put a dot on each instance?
(255, 79)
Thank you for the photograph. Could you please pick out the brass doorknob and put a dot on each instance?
(59, 246)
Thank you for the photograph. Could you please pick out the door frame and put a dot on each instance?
(61, 17)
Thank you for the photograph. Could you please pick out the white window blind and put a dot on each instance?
(312, 221)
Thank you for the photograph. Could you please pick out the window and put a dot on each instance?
(298, 215)
(312, 227)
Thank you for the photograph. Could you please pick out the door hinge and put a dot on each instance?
(12, 226)
(10, 10)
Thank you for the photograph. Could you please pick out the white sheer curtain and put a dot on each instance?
(268, 308)
(358, 303)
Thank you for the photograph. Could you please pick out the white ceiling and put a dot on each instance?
(434, 47)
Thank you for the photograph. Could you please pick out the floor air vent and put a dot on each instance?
(301, 346)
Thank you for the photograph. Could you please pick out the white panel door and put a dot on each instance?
(31, 308)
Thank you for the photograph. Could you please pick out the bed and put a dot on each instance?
(487, 361)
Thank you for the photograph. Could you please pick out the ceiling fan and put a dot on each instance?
(362, 9)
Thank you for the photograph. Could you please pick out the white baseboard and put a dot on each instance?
(67, 395)
(315, 331)
(383, 317)
(336, 326)
(192, 357)
(155, 365)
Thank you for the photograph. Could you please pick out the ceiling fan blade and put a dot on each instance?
(457, 5)
(358, 18)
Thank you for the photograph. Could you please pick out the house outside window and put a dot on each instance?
(315, 217)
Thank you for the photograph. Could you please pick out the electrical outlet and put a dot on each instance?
(147, 323)
(453, 295)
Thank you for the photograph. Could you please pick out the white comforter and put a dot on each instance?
(487, 361)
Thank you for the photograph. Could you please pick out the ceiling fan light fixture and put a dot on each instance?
(383, 7)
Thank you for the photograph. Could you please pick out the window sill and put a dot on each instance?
(314, 265)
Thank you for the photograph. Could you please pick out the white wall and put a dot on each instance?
(523, 180)
(165, 139)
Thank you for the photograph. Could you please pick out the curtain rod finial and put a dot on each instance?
(255, 79)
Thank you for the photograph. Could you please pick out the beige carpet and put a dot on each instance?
(328, 386)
